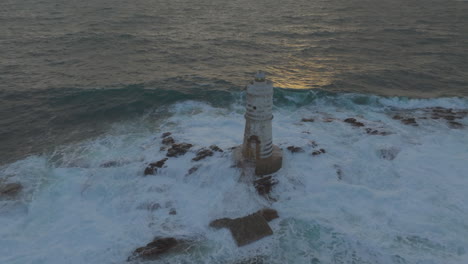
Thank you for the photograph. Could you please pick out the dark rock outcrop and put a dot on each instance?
(168, 141)
(166, 134)
(203, 153)
(353, 122)
(307, 119)
(10, 189)
(216, 148)
(153, 167)
(192, 170)
(371, 131)
(172, 211)
(409, 121)
(455, 125)
(178, 149)
(159, 246)
(295, 149)
(318, 152)
(248, 229)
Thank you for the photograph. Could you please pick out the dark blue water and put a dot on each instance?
(69, 69)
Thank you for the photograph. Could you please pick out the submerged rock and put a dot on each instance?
(153, 167)
(192, 170)
(202, 153)
(10, 189)
(307, 119)
(295, 149)
(388, 154)
(178, 149)
(216, 148)
(158, 247)
(353, 122)
(250, 228)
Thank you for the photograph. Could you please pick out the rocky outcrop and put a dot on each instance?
(409, 121)
(295, 149)
(168, 141)
(178, 149)
(307, 120)
(250, 228)
(153, 167)
(10, 189)
(159, 246)
(455, 125)
(203, 153)
(166, 134)
(318, 152)
(216, 148)
(353, 122)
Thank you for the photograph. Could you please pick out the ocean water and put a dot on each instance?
(87, 89)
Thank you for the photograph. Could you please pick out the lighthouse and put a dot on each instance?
(258, 145)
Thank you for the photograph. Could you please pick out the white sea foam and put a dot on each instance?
(399, 198)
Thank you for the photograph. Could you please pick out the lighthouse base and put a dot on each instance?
(262, 166)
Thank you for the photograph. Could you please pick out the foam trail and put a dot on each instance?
(399, 198)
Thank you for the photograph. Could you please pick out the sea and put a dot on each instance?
(87, 88)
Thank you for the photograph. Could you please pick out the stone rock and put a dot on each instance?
(307, 119)
(172, 211)
(10, 189)
(168, 141)
(397, 117)
(192, 170)
(295, 149)
(371, 131)
(166, 134)
(109, 164)
(455, 125)
(149, 206)
(339, 172)
(409, 121)
(202, 153)
(265, 185)
(158, 247)
(178, 149)
(353, 122)
(318, 152)
(388, 154)
(216, 148)
(152, 167)
(248, 229)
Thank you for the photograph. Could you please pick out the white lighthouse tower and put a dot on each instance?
(258, 141)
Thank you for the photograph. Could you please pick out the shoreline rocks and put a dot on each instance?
(178, 149)
(203, 153)
(10, 189)
(158, 247)
(153, 167)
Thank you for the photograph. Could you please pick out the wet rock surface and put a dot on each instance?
(168, 141)
(294, 149)
(307, 120)
(216, 148)
(159, 246)
(178, 149)
(153, 167)
(409, 121)
(203, 153)
(354, 122)
(192, 170)
(166, 134)
(388, 153)
(10, 189)
(371, 131)
(250, 228)
(318, 152)
(456, 125)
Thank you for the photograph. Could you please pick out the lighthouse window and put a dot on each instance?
(255, 108)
